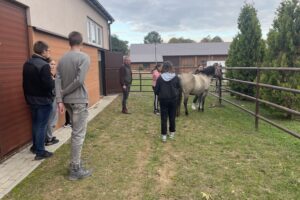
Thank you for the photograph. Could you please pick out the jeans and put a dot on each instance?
(125, 96)
(167, 110)
(52, 121)
(40, 117)
(78, 113)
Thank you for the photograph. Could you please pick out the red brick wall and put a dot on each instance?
(58, 48)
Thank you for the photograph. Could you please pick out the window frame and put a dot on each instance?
(94, 33)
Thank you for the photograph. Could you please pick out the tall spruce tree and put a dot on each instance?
(284, 51)
(246, 50)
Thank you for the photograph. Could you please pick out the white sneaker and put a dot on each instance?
(164, 138)
(172, 135)
(193, 106)
(67, 125)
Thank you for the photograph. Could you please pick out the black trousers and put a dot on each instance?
(125, 96)
(167, 110)
(68, 119)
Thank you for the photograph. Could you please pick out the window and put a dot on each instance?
(146, 65)
(94, 33)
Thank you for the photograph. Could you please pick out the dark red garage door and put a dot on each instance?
(15, 124)
(112, 64)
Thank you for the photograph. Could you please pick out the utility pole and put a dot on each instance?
(155, 52)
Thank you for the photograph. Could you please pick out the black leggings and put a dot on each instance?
(68, 119)
(167, 110)
(155, 100)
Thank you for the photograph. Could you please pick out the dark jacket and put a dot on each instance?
(167, 89)
(38, 83)
(125, 75)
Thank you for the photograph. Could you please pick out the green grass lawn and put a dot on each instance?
(216, 155)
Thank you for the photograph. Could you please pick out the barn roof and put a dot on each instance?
(146, 52)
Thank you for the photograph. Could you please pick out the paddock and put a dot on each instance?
(215, 155)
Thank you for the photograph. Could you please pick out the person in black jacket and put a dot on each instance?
(38, 86)
(167, 88)
(125, 81)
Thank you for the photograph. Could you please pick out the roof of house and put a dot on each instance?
(146, 52)
(100, 9)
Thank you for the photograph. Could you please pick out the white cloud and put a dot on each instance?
(171, 16)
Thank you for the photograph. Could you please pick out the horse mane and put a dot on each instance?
(208, 71)
(213, 71)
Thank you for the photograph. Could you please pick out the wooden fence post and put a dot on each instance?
(220, 87)
(140, 76)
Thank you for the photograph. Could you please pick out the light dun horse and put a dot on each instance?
(198, 85)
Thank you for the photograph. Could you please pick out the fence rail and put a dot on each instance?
(140, 77)
(257, 99)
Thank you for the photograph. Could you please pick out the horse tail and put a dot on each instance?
(179, 100)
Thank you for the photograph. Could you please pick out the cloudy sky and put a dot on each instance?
(192, 19)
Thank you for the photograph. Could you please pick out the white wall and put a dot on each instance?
(64, 16)
(211, 62)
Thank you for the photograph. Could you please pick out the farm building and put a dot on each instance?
(189, 55)
(23, 22)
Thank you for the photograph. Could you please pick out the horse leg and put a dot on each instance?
(199, 101)
(185, 105)
(203, 100)
(178, 104)
(195, 101)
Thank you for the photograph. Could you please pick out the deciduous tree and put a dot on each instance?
(153, 37)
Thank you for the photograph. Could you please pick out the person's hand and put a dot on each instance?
(61, 108)
(124, 87)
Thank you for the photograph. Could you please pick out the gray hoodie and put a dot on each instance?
(69, 82)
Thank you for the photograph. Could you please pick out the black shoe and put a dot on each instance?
(45, 155)
(32, 150)
(52, 141)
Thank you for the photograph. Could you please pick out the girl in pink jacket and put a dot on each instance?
(155, 74)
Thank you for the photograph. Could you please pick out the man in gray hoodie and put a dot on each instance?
(71, 94)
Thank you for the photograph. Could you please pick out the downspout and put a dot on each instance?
(110, 44)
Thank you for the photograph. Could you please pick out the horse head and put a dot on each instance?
(214, 71)
(218, 71)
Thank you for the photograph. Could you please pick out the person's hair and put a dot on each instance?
(39, 47)
(167, 67)
(49, 60)
(75, 38)
(125, 58)
(156, 67)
